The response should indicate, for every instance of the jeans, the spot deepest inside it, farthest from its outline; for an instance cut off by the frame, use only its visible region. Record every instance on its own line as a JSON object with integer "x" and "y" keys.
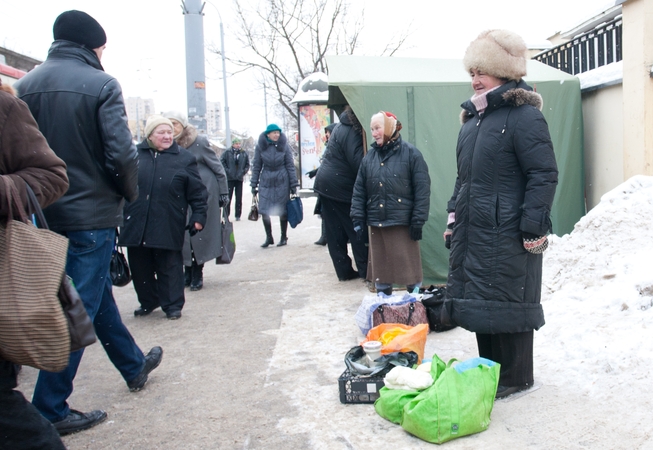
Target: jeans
{"x": 89, "y": 254}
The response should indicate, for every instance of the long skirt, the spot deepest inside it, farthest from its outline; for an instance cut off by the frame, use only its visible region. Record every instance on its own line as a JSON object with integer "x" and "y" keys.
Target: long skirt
{"x": 394, "y": 257}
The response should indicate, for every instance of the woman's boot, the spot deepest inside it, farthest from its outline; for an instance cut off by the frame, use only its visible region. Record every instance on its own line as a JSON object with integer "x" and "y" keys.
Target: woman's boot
{"x": 322, "y": 240}
{"x": 284, "y": 228}
{"x": 188, "y": 273}
{"x": 267, "y": 224}
{"x": 197, "y": 280}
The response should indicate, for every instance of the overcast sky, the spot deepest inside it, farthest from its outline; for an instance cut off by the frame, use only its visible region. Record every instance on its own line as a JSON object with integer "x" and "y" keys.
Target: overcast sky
{"x": 145, "y": 39}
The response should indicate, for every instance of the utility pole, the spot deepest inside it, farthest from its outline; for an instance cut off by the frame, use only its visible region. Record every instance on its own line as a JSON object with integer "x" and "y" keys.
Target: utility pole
{"x": 195, "y": 74}
{"x": 265, "y": 102}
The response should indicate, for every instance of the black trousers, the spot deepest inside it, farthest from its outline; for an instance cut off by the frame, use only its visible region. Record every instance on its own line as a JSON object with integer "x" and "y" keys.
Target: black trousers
{"x": 339, "y": 230}
{"x": 238, "y": 186}
{"x": 22, "y": 426}
{"x": 514, "y": 351}
{"x": 158, "y": 277}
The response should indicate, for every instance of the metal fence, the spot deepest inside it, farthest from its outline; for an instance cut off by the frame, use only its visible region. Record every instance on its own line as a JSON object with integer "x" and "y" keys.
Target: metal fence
{"x": 593, "y": 49}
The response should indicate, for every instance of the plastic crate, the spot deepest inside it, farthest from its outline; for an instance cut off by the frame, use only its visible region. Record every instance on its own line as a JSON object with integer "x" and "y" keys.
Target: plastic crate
{"x": 357, "y": 389}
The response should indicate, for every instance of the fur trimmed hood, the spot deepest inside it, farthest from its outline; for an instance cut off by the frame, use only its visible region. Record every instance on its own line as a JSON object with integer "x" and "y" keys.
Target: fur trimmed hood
{"x": 514, "y": 97}
{"x": 187, "y": 137}
{"x": 263, "y": 142}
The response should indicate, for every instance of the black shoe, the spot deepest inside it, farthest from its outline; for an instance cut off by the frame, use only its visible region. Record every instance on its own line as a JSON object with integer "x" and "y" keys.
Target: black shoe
{"x": 283, "y": 241}
{"x": 196, "y": 286}
{"x": 268, "y": 242}
{"x": 505, "y": 391}
{"x": 188, "y": 274}
{"x": 198, "y": 278}
{"x": 237, "y": 219}
{"x": 152, "y": 361}
{"x": 353, "y": 275}
{"x": 140, "y": 312}
{"x": 174, "y": 315}
{"x": 321, "y": 241}
{"x": 78, "y": 421}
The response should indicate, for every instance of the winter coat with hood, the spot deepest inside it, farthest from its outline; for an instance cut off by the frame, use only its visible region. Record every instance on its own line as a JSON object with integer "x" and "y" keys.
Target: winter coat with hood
{"x": 236, "y": 163}
{"x": 273, "y": 173}
{"x": 207, "y": 243}
{"x": 80, "y": 111}
{"x": 507, "y": 177}
{"x": 337, "y": 173}
{"x": 169, "y": 182}
{"x": 393, "y": 186}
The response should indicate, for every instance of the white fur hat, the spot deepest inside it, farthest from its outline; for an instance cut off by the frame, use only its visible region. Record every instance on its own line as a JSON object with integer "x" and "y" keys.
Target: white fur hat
{"x": 500, "y": 53}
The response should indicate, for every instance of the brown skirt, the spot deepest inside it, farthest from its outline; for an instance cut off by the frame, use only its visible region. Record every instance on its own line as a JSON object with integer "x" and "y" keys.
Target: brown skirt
{"x": 394, "y": 256}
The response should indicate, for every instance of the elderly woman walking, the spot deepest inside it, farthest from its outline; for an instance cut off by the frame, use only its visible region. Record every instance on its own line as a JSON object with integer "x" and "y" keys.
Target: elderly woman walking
{"x": 206, "y": 244}
{"x": 274, "y": 179}
{"x": 168, "y": 182}
{"x": 392, "y": 196}
{"x": 499, "y": 214}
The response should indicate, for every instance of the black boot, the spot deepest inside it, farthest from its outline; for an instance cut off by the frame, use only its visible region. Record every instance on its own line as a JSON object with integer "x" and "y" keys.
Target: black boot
{"x": 197, "y": 280}
{"x": 284, "y": 229}
{"x": 267, "y": 224}
{"x": 322, "y": 240}
{"x": 188, "y": 273}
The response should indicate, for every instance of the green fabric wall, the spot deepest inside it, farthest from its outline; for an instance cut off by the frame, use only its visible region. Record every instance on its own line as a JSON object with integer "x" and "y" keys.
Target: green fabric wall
{"x": 429, "y": 112}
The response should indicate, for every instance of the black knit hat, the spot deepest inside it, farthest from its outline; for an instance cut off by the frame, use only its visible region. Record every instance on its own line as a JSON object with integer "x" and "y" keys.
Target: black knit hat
{"x": 79, "y": 27}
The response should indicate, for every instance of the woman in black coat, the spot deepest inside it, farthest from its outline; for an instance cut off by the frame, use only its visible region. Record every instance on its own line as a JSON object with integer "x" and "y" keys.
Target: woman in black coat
{"x": 168, "y": 182}
{"x": 274, "y": 180}
{"x": 500, "y": 209}
{"x": 392, "y": 196}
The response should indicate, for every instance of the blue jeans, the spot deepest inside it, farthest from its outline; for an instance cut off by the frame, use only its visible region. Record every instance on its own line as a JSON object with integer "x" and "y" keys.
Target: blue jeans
{"x": 89, "y": 254}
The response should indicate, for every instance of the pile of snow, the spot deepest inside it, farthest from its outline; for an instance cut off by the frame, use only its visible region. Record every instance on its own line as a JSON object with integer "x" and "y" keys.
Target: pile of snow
{"x": 597, "y": 293}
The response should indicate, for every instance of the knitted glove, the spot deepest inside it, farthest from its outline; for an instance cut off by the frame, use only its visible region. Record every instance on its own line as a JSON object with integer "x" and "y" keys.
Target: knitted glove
{"x": 416, "y": 232}
{"x": 358, "y": 228}
{"x": 224, "y": 200}
{"x": 312, "y": 173}
{"x": 254, "y": 190}
{"x": 535, "y": 244}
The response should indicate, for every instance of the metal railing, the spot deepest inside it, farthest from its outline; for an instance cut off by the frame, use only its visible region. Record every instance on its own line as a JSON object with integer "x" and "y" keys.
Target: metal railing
{"x": 593, "y": 49}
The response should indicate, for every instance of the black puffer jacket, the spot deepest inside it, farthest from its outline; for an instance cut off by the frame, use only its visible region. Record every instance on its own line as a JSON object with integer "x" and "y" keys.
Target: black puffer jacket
{"x": 236, "y": 163}
{"x": 337, "y": 173}
{"x": 273, "y": 173}
{"x": 169, "y": 182}
{"x": 507, "y": 177}
{"x": 393, "y": 187}
{"x": 80, "y": 111}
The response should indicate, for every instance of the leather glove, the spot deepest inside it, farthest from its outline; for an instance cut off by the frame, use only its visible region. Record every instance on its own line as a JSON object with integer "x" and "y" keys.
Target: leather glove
{"x": 312, "y": 173}
{"x": 358, "y": 228}
{"x": 254, "y": 191}
{"x": 224, "y": 200}
{"x": 416, "y": 232}
{"x": 535, "y": 244}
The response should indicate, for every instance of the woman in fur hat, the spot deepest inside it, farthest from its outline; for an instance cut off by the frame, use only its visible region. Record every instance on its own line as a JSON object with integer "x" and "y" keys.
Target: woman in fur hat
{"x": 207, "y": 244}
{"x": 392, "y": 196}
{"x": 499, "y": 214}
{"x": 274, "y": 179}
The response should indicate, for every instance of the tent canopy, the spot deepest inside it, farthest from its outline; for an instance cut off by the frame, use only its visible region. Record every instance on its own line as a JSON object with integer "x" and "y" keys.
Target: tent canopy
{"x": 425, "y": 95}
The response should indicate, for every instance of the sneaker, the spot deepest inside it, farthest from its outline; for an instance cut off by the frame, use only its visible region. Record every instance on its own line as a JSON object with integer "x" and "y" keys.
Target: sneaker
{"x": 78, "y": 421}
{"x": 152, "y": 361}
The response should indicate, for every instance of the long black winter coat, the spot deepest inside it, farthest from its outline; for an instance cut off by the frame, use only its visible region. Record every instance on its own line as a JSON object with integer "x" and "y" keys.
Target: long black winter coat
{"x": 80, "y": 111}
{"x": 507, "y": 177}
{"x": 168, "y": 183}
{"x": 393, "y": 186}
{"x": 236, "y": 164}
{"x": 337, "y": 174}
{"x": 273, "y": 172}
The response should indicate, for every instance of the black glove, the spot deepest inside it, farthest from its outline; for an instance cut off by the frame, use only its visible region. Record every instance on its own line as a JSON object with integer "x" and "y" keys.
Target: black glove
{"x": 416, "y": 232}
{"x": 293, "y": 190}
{"x": 254, "y": 191}
{"x": 447, "y": 241}
{"x": 191, "y": 229}
{"x": 535, "y": 244}
{"x": 224, "y": 200}
{"x": 358, "y": 228}
{"x": 312, "y": 173}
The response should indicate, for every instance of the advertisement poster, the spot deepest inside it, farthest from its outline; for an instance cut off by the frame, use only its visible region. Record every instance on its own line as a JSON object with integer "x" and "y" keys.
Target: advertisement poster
{"x": 312, "y": 120}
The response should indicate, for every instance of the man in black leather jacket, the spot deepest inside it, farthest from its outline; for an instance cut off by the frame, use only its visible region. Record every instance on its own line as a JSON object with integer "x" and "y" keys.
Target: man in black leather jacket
{"x": 80, "y": 110}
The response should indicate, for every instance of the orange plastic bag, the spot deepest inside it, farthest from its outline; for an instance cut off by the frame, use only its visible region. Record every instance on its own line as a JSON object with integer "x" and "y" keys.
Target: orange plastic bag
{"x": 397, "y": 337}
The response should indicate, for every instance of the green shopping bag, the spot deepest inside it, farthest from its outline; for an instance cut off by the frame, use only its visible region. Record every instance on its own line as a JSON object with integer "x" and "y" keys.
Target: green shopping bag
{"x": 391, "y": 402}
{"x": 459, "y": 403}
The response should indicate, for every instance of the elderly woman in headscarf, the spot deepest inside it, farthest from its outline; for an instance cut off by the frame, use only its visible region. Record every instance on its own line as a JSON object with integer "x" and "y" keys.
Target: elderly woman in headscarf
{"x": 392, "y": 196}
{"x": 274, "y": 179}
{"x": 499, "y": 214}
{"x": 155, "y": 224}
{"x": 206, "y": 244}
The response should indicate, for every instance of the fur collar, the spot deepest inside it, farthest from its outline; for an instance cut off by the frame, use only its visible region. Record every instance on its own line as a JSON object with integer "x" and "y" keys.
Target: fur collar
{"x": 187, "y": 137}
{"x": 263, "y": 142}
{"x": 514, "y": 97}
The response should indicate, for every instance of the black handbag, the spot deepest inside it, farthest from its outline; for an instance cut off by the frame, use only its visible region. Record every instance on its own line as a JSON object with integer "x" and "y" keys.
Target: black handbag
{"x": 253, "y": 212}
{"x": 434, "y": 301}
{"x": 80, "y": 327}
{"x": 118, "y": 268}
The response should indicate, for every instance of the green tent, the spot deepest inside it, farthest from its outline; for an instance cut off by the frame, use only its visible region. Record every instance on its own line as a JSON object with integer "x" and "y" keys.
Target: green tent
{"x": 426, "y": 94}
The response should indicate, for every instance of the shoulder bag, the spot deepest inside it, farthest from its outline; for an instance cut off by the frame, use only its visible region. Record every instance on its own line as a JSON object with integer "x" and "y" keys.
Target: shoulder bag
{"x": 228, "y": 240}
